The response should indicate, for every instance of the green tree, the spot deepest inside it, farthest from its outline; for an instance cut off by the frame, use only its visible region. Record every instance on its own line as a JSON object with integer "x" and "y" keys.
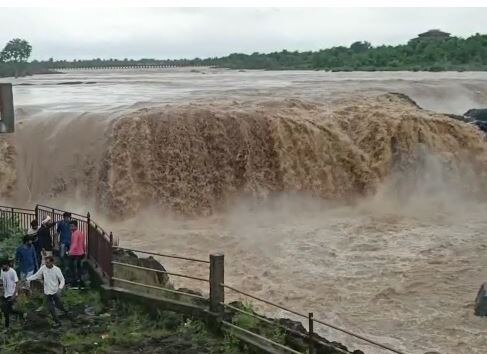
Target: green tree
{"x": 17, "y": 50}
{"x": 360, "y": 47}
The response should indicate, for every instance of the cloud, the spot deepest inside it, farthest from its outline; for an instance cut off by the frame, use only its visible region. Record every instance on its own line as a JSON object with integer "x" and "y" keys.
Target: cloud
{"x": 67, "y": 33}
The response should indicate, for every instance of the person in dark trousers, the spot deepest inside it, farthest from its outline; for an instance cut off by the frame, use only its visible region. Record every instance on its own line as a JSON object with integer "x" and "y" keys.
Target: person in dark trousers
{"x": 25, "y": 257}
{"x": 45, "y": 238}
{"x": 10, "y": 281}
{"x": 64, "y": 237}
{"x": 53, "y": 284}
{"x": 77, "y": 252}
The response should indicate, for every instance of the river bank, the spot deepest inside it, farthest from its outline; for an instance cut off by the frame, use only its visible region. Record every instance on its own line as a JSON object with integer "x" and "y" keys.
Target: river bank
{"x": 99, "y": 328}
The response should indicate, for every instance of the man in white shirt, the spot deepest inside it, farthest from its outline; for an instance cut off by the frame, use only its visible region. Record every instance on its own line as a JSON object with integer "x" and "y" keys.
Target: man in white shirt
{"x": 53, "y": 284}
{"x": 34, "y": 227}
{"x": 10, "y": 281}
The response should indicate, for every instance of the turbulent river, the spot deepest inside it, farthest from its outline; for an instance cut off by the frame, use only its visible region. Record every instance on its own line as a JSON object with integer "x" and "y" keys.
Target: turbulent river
{"x": 325, "y": 192}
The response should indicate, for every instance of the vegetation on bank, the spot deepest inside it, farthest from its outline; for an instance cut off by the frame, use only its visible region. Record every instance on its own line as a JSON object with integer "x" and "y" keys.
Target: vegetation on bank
{"x": 430, "y": 51}
{"x": 98, "y": 328}
{"x": 10, "y": 236}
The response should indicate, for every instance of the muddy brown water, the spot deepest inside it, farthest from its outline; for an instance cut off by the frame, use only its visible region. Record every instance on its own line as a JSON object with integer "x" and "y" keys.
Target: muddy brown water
{"x": 404, "y": 272}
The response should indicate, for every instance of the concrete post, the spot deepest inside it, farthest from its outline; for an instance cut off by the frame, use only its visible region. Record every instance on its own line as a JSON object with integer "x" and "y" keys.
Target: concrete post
{"x": 217, "y": 278}
{"x": 7, "y": 116}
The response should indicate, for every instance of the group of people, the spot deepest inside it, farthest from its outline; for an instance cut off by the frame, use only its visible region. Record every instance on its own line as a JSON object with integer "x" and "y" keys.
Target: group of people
{"x": 35, "y": 261}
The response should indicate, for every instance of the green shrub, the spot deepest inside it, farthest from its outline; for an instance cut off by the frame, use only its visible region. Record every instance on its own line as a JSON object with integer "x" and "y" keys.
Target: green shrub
{"x": 10, "y": 236}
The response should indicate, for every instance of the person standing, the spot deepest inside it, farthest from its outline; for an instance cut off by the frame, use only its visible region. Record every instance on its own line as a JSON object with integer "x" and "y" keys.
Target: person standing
{"x": 53, "y": 284}
{"x": 77, "y": 251}
{"x": 34, "y": 227}
{"x": 64, "y": 238}
{"x": 45, "y": 238}
{"x": 26, "y": 259}
{"x": 10, "y": 281}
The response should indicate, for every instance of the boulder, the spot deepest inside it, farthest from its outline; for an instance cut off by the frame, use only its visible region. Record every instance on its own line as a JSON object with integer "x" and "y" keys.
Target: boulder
{"x": 482, "y": 125}
{"x": 139, "y": 275}
{"x": 481, "y": 301}
{"x": 477, "y": 114}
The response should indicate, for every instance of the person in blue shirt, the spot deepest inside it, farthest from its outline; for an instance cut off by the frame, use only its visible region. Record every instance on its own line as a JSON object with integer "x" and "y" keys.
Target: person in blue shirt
{"x": 64, "y": 238}
{"x": 26, "y": 258}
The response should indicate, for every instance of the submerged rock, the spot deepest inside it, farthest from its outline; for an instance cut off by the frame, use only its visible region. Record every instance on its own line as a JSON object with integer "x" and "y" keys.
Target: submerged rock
{"x": 481, "y": 301}
{"x": 478, "y": 117}
{"x": 477, "y": 114}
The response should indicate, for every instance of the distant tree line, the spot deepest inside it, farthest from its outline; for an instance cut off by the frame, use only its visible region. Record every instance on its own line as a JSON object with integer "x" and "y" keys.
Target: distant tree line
{"x": 430, "y": 51}
{"x": 422, "y": 53}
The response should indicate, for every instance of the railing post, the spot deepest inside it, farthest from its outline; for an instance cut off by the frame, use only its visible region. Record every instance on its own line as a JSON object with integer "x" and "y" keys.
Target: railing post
{"x": 311, "y": 330}
{"x": 110, "y": 255}
{"x": 36, "y": 212}
{"x": 217, "y": 278}
{"x": 88, "y": 217}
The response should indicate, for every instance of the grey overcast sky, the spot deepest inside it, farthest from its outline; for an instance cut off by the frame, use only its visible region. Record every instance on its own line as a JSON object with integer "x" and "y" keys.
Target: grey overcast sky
{"x": 80, "y": 33}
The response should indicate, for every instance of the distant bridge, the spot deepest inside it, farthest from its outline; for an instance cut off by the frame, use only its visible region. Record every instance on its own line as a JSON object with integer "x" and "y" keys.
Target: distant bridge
{"x": 128, "y": 67}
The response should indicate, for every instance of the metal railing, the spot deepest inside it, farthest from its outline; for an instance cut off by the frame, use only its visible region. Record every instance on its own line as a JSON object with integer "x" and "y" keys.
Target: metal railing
{"x": 101, "y": 251}
{"x": 310, "y": 319}
{"x": 217, "y": 303}
{"x": 99, "y": 244}
{"x": 56, "y": 215}
{"x": 100, "y": 248}
{"x": 15, "y": 217}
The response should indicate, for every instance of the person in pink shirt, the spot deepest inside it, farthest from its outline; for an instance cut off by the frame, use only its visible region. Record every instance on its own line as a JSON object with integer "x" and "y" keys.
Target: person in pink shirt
{"x": 77, "y": 251}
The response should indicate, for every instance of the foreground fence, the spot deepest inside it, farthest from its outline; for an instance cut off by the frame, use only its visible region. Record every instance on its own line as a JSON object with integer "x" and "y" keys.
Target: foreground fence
{"x": 99, "y": 244}
{"x": 147, "y": 277}
{"x": 218, "y": 306}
